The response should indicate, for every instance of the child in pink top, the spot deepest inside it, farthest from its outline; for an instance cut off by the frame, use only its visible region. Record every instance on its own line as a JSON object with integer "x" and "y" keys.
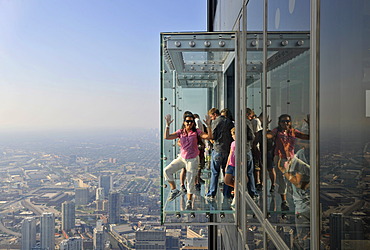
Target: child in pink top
{"x": 230, "y": 170}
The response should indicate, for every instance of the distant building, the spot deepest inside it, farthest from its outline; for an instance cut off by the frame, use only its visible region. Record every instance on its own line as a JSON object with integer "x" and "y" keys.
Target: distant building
{"x": 132, "y": 199}
{"x": 68, "y": 215}
{"x": 112, "y": 160}
{"x": 99, "y": 223}
{"x": 81, "y": 196}
{"x": 99, "y": 240}
{"x": 105, "y": 205}
{"x": 114, "y": 206}
{"x": 47, "y": 235}
{"x": 71, "y": 244}
{"x": 28, "y": 233}
{"x": 172, "y": 243}
{"x": 99, "y": 194}
{"x": 150, "y": 239}
{"x": 99, "y": 205}
{"x": 336, "y": 224}
{"x": 106, "y": 182}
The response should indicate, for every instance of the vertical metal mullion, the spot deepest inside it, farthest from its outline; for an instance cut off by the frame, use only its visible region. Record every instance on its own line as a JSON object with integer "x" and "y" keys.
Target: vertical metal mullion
{"x": 237, "y": 127}
{"x": 243, "y": 128}
{"x": 264, "y": 108}
{"x": 161, "y": 128}
{"x": 174, "y": 111}
{"x": 314, "y": 124}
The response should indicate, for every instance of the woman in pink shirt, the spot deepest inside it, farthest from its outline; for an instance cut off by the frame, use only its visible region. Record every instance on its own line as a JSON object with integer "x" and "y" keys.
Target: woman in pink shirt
{"x": 189, "y": 154}
{"x": 285, "y": 137}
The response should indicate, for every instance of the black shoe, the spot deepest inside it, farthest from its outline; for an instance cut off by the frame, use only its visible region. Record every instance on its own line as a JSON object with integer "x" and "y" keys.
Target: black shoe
{"x": 201, "y": 181}
{"x": 174, "y": 194}
{"x": 284, "y": 206}
{"x": 259, "y": 187}
{"x": 183, "y": 189}
{"x": 272, "y": 189}
{"x": 197, "y": 187}
{"x": 189, "y": 205}
{"x": 255, "y": 198}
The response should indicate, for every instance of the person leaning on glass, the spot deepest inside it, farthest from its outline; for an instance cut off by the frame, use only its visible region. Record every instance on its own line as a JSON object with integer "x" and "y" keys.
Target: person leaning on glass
{"x": 189, "y": 154}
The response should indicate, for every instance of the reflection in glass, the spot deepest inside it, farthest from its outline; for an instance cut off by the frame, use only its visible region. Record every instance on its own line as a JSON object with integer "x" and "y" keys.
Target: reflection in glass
{"x": 287, "y": 93}
{"x": 344, "y": 126}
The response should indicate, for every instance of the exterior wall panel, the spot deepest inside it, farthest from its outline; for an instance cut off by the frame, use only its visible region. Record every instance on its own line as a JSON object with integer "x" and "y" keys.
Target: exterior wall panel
{"x": 227, "y": 13}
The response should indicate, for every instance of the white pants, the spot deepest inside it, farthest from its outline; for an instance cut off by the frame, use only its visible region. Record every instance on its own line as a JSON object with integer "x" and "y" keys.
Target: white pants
{"x": 191, "y": 166}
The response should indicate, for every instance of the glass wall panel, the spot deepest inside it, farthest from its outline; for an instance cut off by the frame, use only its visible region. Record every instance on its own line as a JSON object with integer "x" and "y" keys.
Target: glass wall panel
{"x": 255, "y": 15}
{"x": 288, "y": 15}
{"x": 196, "y": 76}
{"x": 255, "y": 233}
{"x": 282, "y": 172}
{"x": 288, "y": 109}
{"x": 345, "y": 124}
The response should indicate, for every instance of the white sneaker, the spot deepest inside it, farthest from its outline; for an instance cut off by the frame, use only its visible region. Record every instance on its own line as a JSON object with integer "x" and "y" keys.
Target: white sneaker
{"x": 210, "y": 198}
{"x": 233, "y": 203}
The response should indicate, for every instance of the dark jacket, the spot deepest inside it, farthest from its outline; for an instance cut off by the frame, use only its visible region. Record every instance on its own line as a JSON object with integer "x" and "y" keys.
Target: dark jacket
{"x": 221, "y": 127}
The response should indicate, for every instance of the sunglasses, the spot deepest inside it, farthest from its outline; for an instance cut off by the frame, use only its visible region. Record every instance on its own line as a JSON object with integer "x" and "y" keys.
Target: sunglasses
{"x": 285, "y": 121}
{"x": 189, "y": 121}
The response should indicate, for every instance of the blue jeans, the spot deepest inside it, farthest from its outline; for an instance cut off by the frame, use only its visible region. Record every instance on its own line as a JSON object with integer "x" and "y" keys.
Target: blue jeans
{"x": 218, "y": 160}
{"x": 251, "y": 185}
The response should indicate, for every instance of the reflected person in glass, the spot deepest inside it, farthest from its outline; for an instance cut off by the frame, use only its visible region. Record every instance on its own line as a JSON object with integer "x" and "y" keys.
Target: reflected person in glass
{"x": 285, "y": 137}
{"x": 257, "y": 150}
{"x": 189, "y": 154}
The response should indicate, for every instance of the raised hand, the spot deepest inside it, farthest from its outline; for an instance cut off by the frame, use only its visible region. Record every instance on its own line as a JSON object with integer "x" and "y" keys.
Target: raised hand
{"x": 207, "y": 121}
{"x": 168, "y": 119}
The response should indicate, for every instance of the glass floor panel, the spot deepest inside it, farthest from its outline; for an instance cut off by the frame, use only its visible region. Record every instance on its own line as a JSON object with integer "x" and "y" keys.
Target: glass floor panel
{"x": 276, "y": 216}
{"x": 203, "y": 211}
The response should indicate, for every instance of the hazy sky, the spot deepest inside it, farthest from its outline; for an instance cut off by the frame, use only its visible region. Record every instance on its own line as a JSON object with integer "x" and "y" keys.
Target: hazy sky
{"x": 82, "y": 64}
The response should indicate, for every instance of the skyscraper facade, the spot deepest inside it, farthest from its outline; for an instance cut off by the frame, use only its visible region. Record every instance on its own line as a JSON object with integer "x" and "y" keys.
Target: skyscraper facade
{"x": 99, "y": 239}
{"x": 106, "y": 182}
{"x": 81, "y": 196}
{"x": 99, "y": 194}
{"x": 28, "y": 233}
{"x": 68, "y": 215}
{"x": 303, "y": 68}
{"x": 114, "y": 206}
{"x": 47, "y": 234}
{"x": 150, "y": 239}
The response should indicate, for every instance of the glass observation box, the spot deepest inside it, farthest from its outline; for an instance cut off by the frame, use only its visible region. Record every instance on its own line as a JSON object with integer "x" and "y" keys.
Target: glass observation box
{"x": 200, "y": 71}
{"x": 193, "y": 70}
